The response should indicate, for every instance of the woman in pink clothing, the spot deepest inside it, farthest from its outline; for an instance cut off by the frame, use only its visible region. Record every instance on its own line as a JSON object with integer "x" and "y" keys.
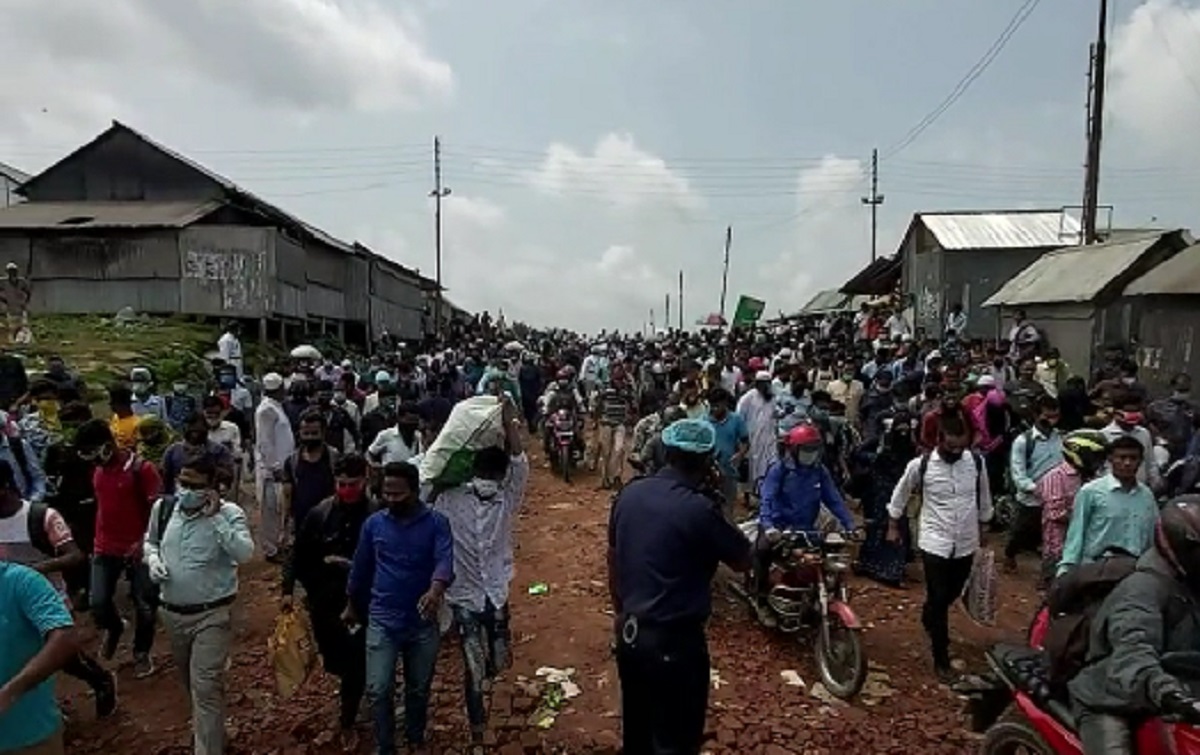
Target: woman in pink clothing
{"x": 1084, "y": 454}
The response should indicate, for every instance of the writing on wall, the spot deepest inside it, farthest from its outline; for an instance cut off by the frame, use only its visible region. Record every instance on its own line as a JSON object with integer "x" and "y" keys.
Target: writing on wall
{"x": 235, "y": 276}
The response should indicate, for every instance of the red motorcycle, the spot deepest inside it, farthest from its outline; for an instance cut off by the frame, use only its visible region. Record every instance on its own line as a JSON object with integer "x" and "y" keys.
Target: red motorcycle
{"x": 807, "y": 594}
{"x": 562, "y": 428}
{"x": 1021, "y": 714}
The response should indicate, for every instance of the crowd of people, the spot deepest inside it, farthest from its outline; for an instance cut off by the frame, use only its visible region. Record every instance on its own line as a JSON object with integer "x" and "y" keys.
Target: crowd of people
{"x": 916, "y": 442}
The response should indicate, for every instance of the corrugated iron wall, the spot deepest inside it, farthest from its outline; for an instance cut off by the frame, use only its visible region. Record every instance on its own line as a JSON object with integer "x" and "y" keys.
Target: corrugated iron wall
{"x": 226, "y": 270}
{"x": 1167, "y": 327}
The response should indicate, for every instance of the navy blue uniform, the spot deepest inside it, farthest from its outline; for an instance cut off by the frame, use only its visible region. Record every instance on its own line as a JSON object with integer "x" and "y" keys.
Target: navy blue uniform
{"x": 666, "y": 539}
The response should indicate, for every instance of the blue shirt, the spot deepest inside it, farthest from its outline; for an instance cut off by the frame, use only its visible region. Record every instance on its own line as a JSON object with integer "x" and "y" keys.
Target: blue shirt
{"x": 792, "y": 495}
{"x": 731, "y": 432}
{"x": 33, "y": 485}
{"x": 667, "y": 539}
{"x": 29, "y": 610}
{"x": 396, "y": 562}
{"x": 1108, "y": 516}
{"x": 151, "y": 406}
{"x": 1046, "y": 454}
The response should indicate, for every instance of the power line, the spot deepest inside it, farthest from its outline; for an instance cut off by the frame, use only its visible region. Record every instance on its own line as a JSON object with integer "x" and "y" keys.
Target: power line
{"x": 967, "y": 80}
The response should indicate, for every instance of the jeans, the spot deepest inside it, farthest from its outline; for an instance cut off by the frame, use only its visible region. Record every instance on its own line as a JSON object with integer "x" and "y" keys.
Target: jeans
{"x": 945, "y": 579}
{"x": 417, "y": 649}
{"x": 1103, "y": 733}
{"x": 200, "y": 645}
{"x": 664, "y": 690}
{"x": 106, "y": 572}
{"x": 486, "y": 644}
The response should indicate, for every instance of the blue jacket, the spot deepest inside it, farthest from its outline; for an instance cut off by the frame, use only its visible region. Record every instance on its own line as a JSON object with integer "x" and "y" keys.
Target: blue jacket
{"x": 33, "y": 485}
{"x": 792, "y": 496}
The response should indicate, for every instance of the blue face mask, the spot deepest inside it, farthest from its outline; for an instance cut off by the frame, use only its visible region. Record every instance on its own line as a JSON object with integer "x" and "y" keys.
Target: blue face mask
{"x": 189, "y": 500}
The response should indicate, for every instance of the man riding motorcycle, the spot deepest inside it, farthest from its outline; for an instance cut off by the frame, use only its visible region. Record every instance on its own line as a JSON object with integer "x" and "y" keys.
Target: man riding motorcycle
{"x": 792, "y": 494}
{"x": 563, "y": 393}
{"x": 1153, "y": 611}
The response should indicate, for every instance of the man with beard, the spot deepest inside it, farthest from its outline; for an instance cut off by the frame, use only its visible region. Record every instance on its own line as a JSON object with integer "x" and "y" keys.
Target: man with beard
{"x": 320, "y": 562}
{"x": 481, "y": 515}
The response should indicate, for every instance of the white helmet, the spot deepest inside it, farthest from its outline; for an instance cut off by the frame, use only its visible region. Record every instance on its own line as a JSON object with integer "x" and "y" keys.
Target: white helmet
{"x": 305, "y": 351}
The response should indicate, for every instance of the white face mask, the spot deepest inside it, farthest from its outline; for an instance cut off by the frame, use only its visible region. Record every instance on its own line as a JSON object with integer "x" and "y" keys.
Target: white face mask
{"x": 485, "y": 489}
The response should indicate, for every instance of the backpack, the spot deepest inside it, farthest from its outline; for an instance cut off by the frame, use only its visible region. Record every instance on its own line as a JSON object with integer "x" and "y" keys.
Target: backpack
{"x": 166, "y": 507}
{"x": 1073, "y": 601}
{"x": 924, "y": 467}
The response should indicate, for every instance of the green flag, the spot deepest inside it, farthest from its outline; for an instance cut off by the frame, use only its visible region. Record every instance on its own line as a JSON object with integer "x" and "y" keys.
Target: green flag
{"x": 748, "y": 311}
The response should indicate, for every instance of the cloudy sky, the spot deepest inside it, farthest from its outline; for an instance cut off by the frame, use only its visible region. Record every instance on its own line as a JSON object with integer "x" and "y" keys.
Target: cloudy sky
{"x": 595, "y": 148}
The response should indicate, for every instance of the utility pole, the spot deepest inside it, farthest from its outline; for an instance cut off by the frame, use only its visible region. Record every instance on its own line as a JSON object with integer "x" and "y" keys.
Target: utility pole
{"x": 1091, "y": 181}
{"x": 667, "y": 317}
{"x": 725, "y": 275}
{"x": 652, "y": 330}
{"x": 438, "y": 193}
{"x": 873, "y": 201}
{"x": 680, "y": 301}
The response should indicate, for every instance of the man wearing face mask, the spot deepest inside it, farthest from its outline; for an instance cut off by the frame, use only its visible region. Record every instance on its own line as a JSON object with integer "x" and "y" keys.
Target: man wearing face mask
{"x": 145, "y": 401}
{"x": 757, "y": 410}
{"x": 847, "y": 390}
{"x": 955, "y": 498}
{"x": 401, "y": 570}
{"x": 196, "y": 443}
{"x": 1128, "y": 421}
{"x": 1034, "y": 453}
{"x": 194, "y": 544}
{"x": 41, "y": 427}
{"x": 126, "y": 487}
{"x": 320, "y": 562}
{"x": 338, "y": 425}
{"x": 308, "y": 476}
{"x": 1176, "y": 415}
{"x": 793, "y": 493}
{"x": 180, "y": 405}
{"x": 399, "y": 442}
{"x": 380, "y": 413}
{"x": 481, "y": 515}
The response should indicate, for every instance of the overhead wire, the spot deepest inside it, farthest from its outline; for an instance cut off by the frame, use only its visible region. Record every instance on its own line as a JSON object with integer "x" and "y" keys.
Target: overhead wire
{"x": 977, "y": 70}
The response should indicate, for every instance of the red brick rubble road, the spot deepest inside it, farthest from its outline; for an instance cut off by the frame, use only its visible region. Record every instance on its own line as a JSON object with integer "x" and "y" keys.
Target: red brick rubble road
{"x": 561, "y": 538}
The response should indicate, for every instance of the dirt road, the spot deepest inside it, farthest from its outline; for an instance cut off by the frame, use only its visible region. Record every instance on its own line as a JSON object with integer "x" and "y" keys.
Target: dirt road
{"x": 561, "y": 538}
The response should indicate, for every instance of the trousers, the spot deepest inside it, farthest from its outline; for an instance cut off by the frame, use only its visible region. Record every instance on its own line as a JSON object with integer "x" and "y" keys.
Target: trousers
{"x": 1103, "y": 733}
{"x": 106, "y": 573}
{"x": 1025, "y": 534}
{"x": 664, "y": 689}
{"x": 200, "y": 646}
{"x": 486, "y": 644}
{"x": 610, "y": 448}
{"x": 417, "y": 650}
{"x": 945, "y": 579}
{"x": 270, "y": 511}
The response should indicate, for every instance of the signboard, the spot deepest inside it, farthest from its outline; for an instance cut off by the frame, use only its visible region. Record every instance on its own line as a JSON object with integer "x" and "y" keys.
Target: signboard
{"x": 748, "y": 311}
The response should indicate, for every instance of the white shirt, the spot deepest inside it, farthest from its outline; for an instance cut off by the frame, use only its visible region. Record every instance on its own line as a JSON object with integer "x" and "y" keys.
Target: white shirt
{"x": 948, "y": 523}
{"x": 897, "y": 326}
{"x": 274, "y": 441}
{"x": 731, "y": 379}
{"x": 392, "y": 447}
{"x": 956, "y": 321}
{"x": 483, "y": 543}
{"x": 228, "y": 435}
{"x": 229, "y": 348}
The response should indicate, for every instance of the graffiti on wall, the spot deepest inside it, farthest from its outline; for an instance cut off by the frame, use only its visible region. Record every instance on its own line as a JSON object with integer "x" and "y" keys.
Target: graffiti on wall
{"x": 236, "y": 276}
{"x": 929, "y": 305}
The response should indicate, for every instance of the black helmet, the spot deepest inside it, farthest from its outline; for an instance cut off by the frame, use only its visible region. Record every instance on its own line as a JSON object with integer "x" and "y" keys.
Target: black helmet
{"x": 1177, "y": 537}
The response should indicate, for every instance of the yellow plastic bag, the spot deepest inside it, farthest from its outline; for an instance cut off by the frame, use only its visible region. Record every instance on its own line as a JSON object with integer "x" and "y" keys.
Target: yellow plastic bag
{"x": 292, "y": 653}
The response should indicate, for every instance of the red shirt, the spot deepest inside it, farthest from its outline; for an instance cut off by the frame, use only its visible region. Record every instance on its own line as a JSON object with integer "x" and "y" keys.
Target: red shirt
{"x": 123, "y": 504}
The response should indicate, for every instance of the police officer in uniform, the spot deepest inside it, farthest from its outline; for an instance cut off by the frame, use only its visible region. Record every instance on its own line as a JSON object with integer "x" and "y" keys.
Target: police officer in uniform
{"x": 666, "y": 536}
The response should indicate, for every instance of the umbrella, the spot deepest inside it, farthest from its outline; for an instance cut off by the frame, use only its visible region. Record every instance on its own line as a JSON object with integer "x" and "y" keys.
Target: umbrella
{"x": 514, "y": 346}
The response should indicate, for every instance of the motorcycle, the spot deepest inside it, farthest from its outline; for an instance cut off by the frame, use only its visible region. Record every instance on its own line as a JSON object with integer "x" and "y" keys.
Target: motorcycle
{"x": 564, "y": 453}
{"x": 807, "y": 593}
{"x": 1019, "y": 712}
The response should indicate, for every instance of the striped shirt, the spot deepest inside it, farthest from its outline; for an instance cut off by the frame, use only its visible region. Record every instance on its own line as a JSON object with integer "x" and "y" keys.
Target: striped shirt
{"x": 1056, "y": 490}
{"x": 616, "y": 405}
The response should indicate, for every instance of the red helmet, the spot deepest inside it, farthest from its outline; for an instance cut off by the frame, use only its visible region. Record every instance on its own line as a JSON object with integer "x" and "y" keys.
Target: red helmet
{"x": 801, "y": 436}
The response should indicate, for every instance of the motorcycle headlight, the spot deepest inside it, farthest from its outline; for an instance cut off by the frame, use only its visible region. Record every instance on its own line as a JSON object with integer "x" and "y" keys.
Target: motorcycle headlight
{"x": 837, "y": 563}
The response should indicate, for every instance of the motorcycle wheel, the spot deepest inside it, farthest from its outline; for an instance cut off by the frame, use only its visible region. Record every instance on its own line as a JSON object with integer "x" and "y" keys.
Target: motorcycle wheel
{"x": 841, "y": 662}
{"x": 1012, "y": 735}
{"x": 564, "y": 463}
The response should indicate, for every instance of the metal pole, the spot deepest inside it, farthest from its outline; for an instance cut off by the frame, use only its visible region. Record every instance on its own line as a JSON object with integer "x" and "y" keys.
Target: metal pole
{"x": 667, "y": 318}
{"x": 725, "y": 275}
{"x": 873, "y": 201}
{"x": 1091, "y": 187}
{"x": 438, "y": 193}
{"x": 681, "y": 301}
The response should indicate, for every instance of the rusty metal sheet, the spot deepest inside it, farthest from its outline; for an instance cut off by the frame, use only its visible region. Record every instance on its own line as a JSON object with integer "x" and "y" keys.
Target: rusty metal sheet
{"x": 1002, "y": 230}
{"x": 76, "y": 216}
{"x": 1179, "y": 275}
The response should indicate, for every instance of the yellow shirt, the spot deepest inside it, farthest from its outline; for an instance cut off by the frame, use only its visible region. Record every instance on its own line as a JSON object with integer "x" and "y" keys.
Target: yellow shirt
{"x": 125, "y": 431}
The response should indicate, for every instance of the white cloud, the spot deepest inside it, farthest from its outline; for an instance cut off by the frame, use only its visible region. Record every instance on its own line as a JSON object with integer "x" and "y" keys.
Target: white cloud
{"x": 76, "y": 60}
{"x": 1154, "y": 84}
{"x": 476, "y": 212}
{"x": 618, "y": 172}
{"x": 828, "y": 244}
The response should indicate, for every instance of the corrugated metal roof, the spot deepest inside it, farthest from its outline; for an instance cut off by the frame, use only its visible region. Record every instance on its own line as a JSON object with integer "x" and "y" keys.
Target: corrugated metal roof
{"x": 1002, "y": 230}
{"x": 12, "y": 174}
{"x": 878, "y": 278}
{"x": 824, "y": 301}
{"x": 1073, "y": 274}
{"x": 78, "y": 215}
{"x": 1178, "y": 275}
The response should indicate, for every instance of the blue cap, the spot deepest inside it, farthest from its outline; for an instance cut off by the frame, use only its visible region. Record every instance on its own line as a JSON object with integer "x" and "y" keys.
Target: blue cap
{"x": 695, "y": 436}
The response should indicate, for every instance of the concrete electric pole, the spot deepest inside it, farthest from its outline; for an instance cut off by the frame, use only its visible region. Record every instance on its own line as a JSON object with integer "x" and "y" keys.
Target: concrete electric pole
{"x": 438, "y": 193}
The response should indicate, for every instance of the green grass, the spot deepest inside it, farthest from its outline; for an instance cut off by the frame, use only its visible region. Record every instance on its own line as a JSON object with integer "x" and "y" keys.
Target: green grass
{"x": 101, "y": 350}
